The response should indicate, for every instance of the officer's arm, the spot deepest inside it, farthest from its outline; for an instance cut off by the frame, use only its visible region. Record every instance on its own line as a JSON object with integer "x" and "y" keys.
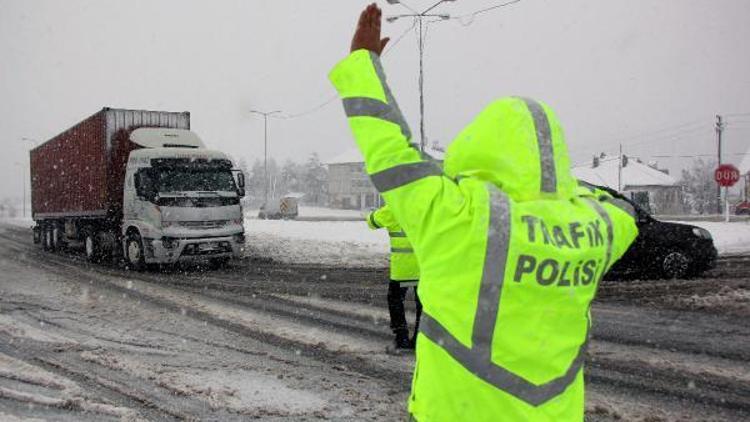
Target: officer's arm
{"x": 408, "y": 182}
{"x": 624, "y": 228}
{"x": 414, "y": 188}
{"x": 621, "y": 214}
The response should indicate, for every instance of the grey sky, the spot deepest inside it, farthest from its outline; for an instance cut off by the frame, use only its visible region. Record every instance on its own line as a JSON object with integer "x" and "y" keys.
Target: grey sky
{"x": 615, "y": 70}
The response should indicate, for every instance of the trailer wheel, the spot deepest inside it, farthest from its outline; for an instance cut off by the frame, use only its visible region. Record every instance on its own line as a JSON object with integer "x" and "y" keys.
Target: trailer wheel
{"x": 38, "y": 235}
{"x": 134, "y": 252}
{"x": 57, "y": 241}
{"x": 48, "y": 244}
{"x": 91, "y": 247}
{"x": 43, "y": 238}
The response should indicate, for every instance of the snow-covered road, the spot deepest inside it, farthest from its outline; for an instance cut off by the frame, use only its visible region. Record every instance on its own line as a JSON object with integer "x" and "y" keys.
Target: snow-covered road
{"x": 85, "y": 343}
{"x": 269, "y": 340}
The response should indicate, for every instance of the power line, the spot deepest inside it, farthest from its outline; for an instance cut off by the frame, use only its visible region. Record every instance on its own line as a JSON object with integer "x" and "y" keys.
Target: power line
{"x": 391, "y": 46}
{"x": 670, "y": 128}
{"x": 334, "y": 97}
{"x": 400, "y": 37}
{"x": 695, "y": 155}
{"x": 687, "y": 128}
{"x": 473, "y": 15}
{"x": 678, "y": 136}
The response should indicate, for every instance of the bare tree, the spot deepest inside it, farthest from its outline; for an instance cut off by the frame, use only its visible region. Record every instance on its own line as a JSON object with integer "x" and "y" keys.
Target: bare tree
{"x": 700, "y": 187}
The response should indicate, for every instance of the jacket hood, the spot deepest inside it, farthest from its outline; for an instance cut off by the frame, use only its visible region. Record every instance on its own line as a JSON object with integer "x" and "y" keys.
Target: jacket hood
{"x": 518, "y": 145}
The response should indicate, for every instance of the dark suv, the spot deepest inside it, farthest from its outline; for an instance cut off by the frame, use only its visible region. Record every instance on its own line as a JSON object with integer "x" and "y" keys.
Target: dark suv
{"x": 664, "y": 250}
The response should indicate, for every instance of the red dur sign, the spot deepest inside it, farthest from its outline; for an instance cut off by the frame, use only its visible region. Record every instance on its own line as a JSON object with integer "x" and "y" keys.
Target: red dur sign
{"x": 726, "y": 175}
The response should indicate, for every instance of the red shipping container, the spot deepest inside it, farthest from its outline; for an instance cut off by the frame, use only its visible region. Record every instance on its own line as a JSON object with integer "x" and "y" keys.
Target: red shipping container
{"x": 80, "y": 172}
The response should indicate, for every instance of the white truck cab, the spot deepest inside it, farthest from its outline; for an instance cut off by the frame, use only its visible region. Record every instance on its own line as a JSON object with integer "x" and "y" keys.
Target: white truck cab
{"x": 180, "y": 201}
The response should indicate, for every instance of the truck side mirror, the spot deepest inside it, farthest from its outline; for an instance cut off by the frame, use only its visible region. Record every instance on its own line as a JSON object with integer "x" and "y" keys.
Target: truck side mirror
{"x": 240, "y": 183}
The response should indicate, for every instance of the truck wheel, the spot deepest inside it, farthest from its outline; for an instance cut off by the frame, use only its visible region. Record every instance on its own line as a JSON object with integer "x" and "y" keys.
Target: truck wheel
{"x": 57, "y": 240}
{"x": 43, "y": 238}
{"x": 91, "y": 247}
{"x": 675, "y": 265}
{"x": 134, "y": 252}
{"x": 48, "y": 244}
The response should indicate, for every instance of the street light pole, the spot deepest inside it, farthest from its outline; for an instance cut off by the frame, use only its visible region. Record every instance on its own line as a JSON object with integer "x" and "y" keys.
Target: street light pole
{"x": 421, "y": 87}
{"x": 33, "y": 142}
{"x": 265, "y": 149}
{"x": 419, "y": 16}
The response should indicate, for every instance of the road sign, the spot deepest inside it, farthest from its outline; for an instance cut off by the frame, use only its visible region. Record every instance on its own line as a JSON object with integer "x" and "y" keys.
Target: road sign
{"x": 726, "y": 175}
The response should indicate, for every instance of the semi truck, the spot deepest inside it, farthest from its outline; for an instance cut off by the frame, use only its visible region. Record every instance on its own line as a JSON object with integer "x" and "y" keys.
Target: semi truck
{"x": 139, "y": 186}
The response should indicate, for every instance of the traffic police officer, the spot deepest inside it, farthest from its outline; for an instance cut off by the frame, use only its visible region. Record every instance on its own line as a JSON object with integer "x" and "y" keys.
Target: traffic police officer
{"x": 404, "y": 274}
{"x": 511, "y": 250}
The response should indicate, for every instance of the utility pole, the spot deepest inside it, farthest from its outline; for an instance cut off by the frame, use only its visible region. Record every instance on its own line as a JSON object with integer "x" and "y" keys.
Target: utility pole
{"x": 420, "y": 16}
{"x": 619, "y": 172}
{"x": 719, "y": 130}
{"x": 266, "y": 180}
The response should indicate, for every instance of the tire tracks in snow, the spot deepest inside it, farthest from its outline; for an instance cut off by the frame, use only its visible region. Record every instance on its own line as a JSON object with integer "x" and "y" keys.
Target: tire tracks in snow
{"x": 636, "y": 377}
{"x": 103, "y": 277}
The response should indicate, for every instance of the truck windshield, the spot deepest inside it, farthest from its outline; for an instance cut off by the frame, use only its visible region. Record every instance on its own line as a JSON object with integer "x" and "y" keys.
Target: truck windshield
{"x": 185, "y": 179}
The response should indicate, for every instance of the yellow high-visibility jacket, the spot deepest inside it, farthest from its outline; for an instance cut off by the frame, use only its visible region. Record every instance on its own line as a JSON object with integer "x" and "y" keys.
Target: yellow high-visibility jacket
{"x": 510, "y": 249}
{"x": 404, "y": 266}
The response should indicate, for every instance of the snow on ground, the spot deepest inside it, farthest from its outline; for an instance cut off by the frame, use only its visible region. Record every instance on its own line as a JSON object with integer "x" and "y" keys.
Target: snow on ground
{"x": 352, "y": 243}
{"x": 318, "y": 213}
{"x": 24, "y": 222}
{"x": 306, "y": 211}
{"x": 729, "y": 238}
{"x": 341, "y": 243}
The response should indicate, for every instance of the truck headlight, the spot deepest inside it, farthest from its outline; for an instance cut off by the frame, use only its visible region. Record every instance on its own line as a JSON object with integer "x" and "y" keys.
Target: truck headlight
{"x": 702, "y": 233}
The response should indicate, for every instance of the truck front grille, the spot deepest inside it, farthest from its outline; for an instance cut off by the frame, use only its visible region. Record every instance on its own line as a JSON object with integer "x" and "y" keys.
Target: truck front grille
{"x": 203, "y": 225}
{"x": 207, "y": 248}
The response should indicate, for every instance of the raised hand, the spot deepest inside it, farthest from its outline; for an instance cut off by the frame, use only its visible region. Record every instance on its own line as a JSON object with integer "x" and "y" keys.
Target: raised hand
{"x": 367, "y": 35}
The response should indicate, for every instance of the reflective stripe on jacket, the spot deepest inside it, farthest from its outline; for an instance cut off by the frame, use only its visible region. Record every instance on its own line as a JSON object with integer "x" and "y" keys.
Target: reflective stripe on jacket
{"x": 404, "y": 266}
{"x": 510, "y": 251}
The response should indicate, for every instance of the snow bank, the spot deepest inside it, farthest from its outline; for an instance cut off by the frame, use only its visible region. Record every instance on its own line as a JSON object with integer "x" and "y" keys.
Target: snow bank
{"x": 729, "y": 238}
{"x": 346, "y": 243}
{"x": 25, "y": 222}
{"x": 305, "y": 211}
{"x": 352, "y": 243}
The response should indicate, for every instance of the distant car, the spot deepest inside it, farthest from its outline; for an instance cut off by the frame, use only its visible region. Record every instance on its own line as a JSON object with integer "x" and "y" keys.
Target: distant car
{"x": 743, "y": 208}
{"x": 664, "y": 250}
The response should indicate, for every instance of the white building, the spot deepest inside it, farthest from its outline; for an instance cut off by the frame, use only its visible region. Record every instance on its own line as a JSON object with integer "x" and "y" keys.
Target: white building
{"x": 349, "y": 186}
{"x": 652, "y": 188}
